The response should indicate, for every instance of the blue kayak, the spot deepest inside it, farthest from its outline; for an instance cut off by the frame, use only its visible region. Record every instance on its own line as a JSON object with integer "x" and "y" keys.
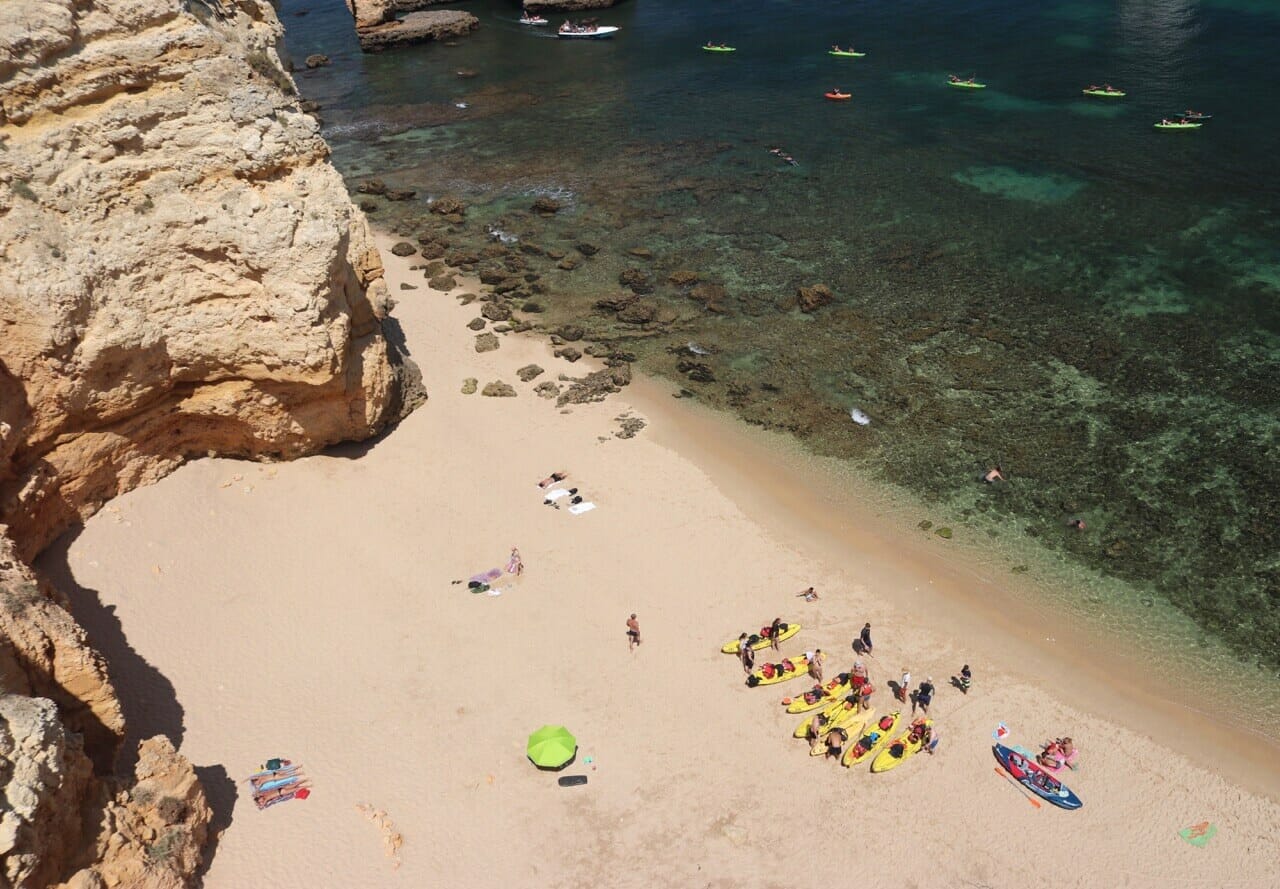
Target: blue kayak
{"x": 1028, "y": 773}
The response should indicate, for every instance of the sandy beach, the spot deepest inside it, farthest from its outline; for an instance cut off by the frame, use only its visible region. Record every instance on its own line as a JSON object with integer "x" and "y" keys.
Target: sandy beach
{"x": 308, "y": 610}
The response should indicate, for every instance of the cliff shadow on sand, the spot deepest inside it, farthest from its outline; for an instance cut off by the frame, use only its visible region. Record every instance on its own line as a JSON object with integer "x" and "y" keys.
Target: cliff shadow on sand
{"x": 147, "y": 697}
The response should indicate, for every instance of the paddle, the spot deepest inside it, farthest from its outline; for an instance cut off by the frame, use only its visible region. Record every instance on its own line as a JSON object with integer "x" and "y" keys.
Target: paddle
{"x": 1030, "y": 798}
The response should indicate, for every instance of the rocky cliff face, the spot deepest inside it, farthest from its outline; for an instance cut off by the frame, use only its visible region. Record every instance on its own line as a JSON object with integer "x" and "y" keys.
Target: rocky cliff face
{"x": 181, "y": 274}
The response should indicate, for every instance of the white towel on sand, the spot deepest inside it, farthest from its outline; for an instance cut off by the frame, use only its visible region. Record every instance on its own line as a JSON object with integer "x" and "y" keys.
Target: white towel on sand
{"x": 580, "y": 508}
{"x": 552, "y": 496}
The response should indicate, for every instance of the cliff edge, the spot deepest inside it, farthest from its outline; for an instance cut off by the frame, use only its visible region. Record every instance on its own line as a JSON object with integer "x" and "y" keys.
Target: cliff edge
{"x": 181, "y": 274}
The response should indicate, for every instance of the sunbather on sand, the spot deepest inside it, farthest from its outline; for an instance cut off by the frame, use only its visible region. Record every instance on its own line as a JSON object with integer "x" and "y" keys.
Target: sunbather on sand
{"x": 278, "y": 794}
{"x": 809, "y": 594}
{"x": 553, "y": 478}
{"x": 267, "y": 782}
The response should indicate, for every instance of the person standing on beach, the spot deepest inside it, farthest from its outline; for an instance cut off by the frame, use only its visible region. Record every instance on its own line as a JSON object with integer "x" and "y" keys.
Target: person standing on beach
{"x": 746, "y": 654}
{"x": 633, "y": 632}
{"x": 866, "y": 638}
{"x": 904, "y": 686}
{"x": 515, "y": 565}
{"x": 864, "y": 696}
{"x": 966, "y": 678}
{"x": 924, "y": 696}
{"x": 815, "y": 666}
{"x": 775, "y": 630}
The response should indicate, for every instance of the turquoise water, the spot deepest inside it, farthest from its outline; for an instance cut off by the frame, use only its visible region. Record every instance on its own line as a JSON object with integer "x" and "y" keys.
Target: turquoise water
{"x": 1021, "y": 274}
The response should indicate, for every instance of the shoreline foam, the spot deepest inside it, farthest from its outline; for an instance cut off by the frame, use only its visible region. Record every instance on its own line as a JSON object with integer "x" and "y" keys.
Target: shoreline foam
{"x": 306, "y": 610}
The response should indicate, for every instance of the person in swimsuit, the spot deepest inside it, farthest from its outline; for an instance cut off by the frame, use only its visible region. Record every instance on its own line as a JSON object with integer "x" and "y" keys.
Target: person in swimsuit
{"x": 553, "y": 478}
{"x": 1078, "y": 524}
{"x": 836, "y": 739}
{"x": 904, "y": 685}
{"x": 815, "y": 666}
{"x": 775, "y": 630}
{"x": 993, "y": 475}
{"x": 633, "y": 632}
{"x": 746, "y": 654}
{"x": 966, "y": 678}
{"x": 924, "y": 696}
{"x": 515, "y": 565}
{"x": 809, "y": 594}
{"x": 865, "y": 636}
{"x": 817, "y": 727}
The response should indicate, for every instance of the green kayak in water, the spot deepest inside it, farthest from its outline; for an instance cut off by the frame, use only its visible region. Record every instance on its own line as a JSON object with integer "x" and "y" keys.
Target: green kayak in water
{"x": 844, "y": 54}
{"x": 719, "y": 49}
{"x": 1106, "y": 94}
{"x": 967, "y": 84}
{"x": 1178, "y": 125}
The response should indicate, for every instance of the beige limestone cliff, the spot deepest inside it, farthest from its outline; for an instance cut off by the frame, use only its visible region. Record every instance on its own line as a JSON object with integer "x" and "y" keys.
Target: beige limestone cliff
{"x": 181, "y": 274}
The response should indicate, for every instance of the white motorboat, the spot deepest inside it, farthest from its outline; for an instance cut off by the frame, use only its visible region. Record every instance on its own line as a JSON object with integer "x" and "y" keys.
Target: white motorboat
{"x": 591, "y": 32}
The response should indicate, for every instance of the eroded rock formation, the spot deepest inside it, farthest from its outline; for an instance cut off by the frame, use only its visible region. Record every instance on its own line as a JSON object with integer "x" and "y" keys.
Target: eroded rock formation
{"x": 378, "y": 28}
{"x": 181, "y": 274}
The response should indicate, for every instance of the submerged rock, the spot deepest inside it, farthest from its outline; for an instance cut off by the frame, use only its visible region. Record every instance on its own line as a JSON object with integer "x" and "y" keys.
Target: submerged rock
{"x": 317, "y": 60}
{"x": 545, "y": 206}
{"x": 448, "y": 205}
{"x": 683, "y": 278}
{"x": 636, "y": 279}
{"x": 813, "y": 298}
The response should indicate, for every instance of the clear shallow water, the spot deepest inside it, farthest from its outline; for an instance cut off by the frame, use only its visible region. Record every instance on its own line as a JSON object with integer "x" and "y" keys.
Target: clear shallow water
{"x": 1021, "y": 274}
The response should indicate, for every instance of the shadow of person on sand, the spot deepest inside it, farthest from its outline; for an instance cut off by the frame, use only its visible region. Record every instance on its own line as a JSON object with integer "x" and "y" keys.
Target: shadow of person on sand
{"x": 147, "y": 698}
{"x": 898, "y": 694}
{"x": 220, "y": 790}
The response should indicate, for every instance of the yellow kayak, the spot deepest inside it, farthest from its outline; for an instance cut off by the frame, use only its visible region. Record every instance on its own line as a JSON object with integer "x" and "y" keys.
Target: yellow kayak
{"x": 819, "y": 695}
{"x": 799, "y": 667}
{"x": 850, "y": 722}
{"x": 908, "y": 748}
{"x": 758, "y": 642}
{"x": 872, "y": 740}
{"x": 839, "y": 711}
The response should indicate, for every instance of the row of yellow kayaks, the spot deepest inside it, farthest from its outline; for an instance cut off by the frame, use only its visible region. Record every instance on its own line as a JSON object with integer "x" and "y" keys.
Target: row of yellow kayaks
{"x": 868, "y": 737}
{"x": 820, "y": 695}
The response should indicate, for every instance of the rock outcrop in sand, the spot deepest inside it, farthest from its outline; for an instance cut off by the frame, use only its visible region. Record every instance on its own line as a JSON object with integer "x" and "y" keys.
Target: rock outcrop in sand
{"x": 181, "y": 274}
{"x": 378, "y": 28}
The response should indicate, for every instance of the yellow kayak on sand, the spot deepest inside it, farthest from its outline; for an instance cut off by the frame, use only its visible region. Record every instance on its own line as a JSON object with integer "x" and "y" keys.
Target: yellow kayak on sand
{"x": 840, "y": 712}
{"x": 757, "y": 641}
{"x": 872, "y": 740}
{"x": 886, "y": 760}
{"x": 799, "y": 667}
{"x": 820, "y": 695}
{"x": 850, "y": 722}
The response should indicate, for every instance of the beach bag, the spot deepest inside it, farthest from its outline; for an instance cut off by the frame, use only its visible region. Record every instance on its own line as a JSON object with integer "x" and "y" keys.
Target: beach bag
{"x": 753, "y": 680}
{"x": 753, "y": 639}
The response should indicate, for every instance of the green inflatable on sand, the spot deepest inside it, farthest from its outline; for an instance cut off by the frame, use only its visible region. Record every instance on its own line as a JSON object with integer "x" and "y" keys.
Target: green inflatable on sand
{"x": 1199, "y": 834}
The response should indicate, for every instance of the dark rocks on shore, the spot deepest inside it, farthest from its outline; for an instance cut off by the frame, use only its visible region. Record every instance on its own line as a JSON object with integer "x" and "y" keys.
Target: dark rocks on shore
{"x": 507, "y": 285}
{"x": 432, "y": 250}
{"x": 372, "y": 186}
{"x": 530, "y": 248}
{"x": 696, "y": 371}
{"x": 476, "y": 323}
{"x": 403, "y": 248}
{"x": 595, "y": 386}
{"x": 616, "y": 302}
{"x": 532, "y": 307}
{"x": 587, "y": 249}
{"x": 466, "y": 299}
{"x": 368, "y": 207}
{"x": 546, "y": 389}
{"x": 433, "y": 268}
{"x": 400, "y": 194}
{"x": 405, "y": 285}
{"x": 545, "y": 206}
{"x": 529, "y": 372}
{"x": 486, "y": 342}
{"x": 469, "y": 386}
{"x": 570, "y": 333}
{"x": 630, "y": 426}
{"x": 448, "y": 205}
{"x": 637, "y": 280}
{"x": 442, "y": 282}
{"x": 813, "y": 298}
{"x": 568, "y": 353}
{"x": 638, "y": 312}
{"x": 317, "y": 60}
{"x": 493, "y": 276}
{"x": 496, "y": 311}
{"x": 498, "y": 389}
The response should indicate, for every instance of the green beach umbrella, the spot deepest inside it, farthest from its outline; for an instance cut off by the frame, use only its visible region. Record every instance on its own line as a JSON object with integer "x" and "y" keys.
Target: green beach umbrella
{"x": 552, "y": 747}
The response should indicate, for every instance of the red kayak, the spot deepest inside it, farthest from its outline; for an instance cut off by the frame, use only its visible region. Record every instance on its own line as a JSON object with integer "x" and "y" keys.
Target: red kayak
{"x": 839, "y": 97}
